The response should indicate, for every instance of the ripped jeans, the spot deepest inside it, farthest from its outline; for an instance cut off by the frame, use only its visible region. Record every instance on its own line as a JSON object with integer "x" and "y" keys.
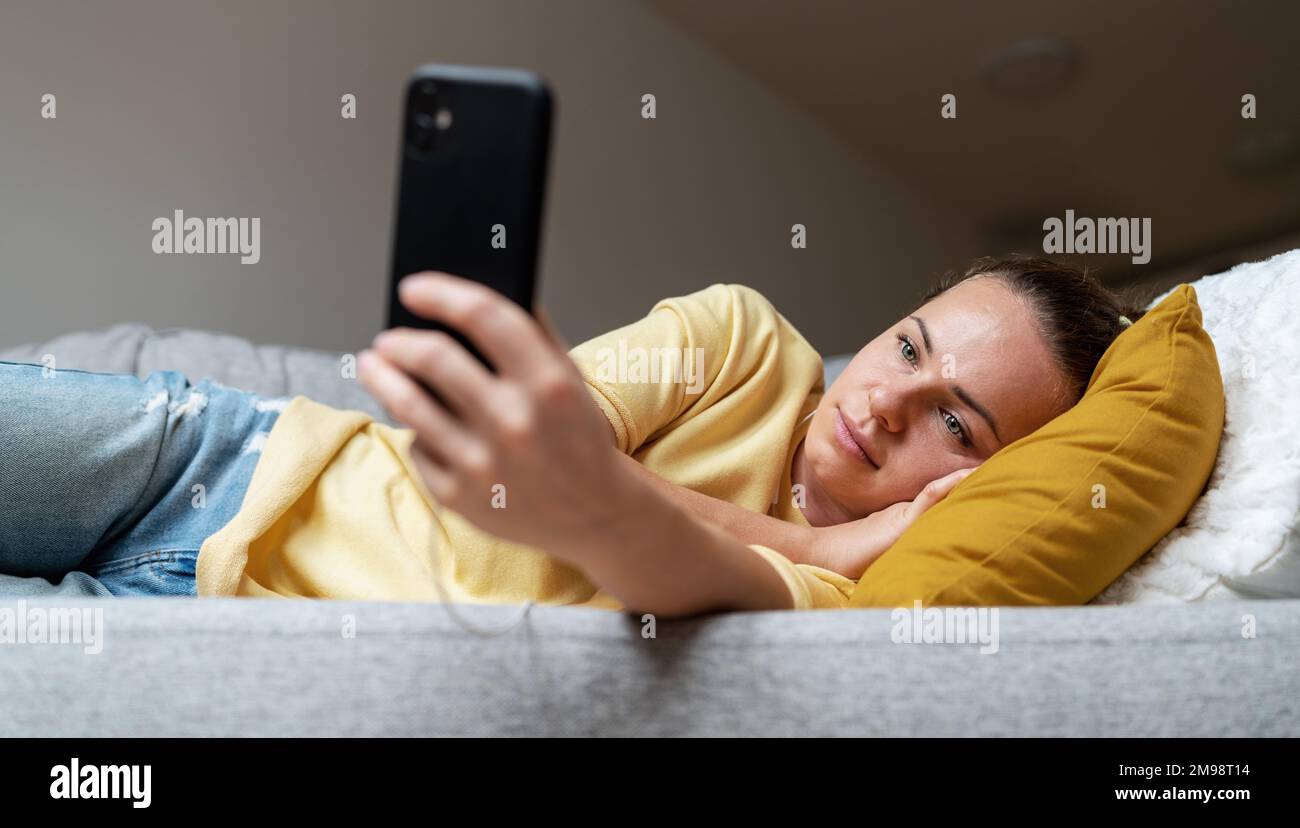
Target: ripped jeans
{"x": 111, "y": 484}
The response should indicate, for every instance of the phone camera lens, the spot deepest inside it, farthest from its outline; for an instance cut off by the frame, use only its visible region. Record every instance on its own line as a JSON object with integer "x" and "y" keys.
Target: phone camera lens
{"x": 429, "y": 116}
{"x": 423, "y": 131}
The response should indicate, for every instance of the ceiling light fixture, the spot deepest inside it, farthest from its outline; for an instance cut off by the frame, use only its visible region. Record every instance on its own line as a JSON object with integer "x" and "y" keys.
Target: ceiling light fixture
{"x": 1031, "y": 67}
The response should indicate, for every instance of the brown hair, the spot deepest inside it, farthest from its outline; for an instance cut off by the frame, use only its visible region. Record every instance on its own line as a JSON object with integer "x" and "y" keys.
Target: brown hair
{"x": 1077, "y": 315}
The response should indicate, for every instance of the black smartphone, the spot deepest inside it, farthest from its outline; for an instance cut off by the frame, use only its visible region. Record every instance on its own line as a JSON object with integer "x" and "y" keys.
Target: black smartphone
{"x": 471, "y": 182}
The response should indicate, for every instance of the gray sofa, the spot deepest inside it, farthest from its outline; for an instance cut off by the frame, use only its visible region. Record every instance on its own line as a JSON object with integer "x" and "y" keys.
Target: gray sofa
{"x": 235, "y": 667}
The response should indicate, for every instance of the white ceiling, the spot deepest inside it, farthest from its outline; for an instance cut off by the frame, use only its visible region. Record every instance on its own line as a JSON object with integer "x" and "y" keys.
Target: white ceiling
{"x": 1147, "y": 126}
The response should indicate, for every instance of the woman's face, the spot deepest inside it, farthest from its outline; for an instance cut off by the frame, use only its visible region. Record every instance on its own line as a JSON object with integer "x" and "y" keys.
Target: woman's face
{"x": 941, "y": 390}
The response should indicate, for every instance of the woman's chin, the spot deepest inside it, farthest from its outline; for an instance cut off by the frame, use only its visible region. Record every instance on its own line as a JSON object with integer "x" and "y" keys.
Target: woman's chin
{"x": 844, "y": 482}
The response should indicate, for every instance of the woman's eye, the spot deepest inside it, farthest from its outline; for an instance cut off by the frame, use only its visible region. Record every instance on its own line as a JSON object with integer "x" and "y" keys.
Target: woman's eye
{"x": 906, "y": 347}
{"x": 954, "y": 426}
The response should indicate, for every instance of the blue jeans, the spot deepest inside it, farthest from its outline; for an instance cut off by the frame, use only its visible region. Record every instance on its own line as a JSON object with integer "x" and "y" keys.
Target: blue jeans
{"x": 116, "y": 481}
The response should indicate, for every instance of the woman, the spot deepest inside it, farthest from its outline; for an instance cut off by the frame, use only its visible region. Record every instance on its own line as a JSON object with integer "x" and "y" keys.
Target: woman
{"x": 743, "y": 487}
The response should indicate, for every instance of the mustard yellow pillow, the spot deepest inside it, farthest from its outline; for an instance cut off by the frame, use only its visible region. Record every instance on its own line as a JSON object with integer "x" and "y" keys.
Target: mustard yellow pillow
{"x": 1056, "y": 516}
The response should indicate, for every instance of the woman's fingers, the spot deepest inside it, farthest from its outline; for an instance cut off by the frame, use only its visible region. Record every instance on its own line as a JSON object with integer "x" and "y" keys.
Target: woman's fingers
{"x": 511, "y": 340}
{"x": 935, "y": 491}
{"x": 443, "y": 438}
{"x": 437, "y": 479}
{"x": 439, "y": 361}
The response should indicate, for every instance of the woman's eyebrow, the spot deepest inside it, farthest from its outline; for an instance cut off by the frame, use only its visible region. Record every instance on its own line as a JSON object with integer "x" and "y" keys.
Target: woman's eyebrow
{"x": 957, "y": 389}
{"x": 925, "y": 332}
{"x": 979, "y": 409}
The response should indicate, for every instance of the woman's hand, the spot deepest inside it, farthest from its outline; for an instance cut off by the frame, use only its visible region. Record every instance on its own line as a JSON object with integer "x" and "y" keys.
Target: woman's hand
{"x": 522, "y": 454}
{"x": 849, "y": 548}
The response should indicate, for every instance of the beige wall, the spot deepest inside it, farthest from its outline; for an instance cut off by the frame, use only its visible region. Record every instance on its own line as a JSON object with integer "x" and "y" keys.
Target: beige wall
{"x": 232, "y": 109}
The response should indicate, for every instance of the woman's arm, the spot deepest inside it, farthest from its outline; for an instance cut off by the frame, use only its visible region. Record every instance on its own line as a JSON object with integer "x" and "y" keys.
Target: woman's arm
{"x": 848, "y": 548}
{"x": 655, "y": 556}
{"x": 533, "y": 428}
{"x": 798, "y": 543}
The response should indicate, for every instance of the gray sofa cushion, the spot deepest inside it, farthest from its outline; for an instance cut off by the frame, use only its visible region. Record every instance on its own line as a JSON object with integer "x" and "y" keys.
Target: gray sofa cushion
{"x": 271, "y": 370}
{"x": 834, "y": 366}
{"x": 227, "y": 667}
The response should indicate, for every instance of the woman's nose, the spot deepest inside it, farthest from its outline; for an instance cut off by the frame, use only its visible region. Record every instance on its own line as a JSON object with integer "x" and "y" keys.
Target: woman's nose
{"x": 885, "y": 402}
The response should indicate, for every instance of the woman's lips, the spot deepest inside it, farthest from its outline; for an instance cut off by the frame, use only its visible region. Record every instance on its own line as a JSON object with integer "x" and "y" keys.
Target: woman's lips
{"x": 848, "y": 442}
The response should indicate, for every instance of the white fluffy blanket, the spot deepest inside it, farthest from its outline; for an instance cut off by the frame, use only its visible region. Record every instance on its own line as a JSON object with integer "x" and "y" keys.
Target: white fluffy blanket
{"x": 1240, "y": 538}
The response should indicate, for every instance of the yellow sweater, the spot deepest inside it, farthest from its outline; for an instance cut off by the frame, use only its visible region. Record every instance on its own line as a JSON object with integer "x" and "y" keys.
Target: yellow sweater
{"x": 335, "y": 509}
